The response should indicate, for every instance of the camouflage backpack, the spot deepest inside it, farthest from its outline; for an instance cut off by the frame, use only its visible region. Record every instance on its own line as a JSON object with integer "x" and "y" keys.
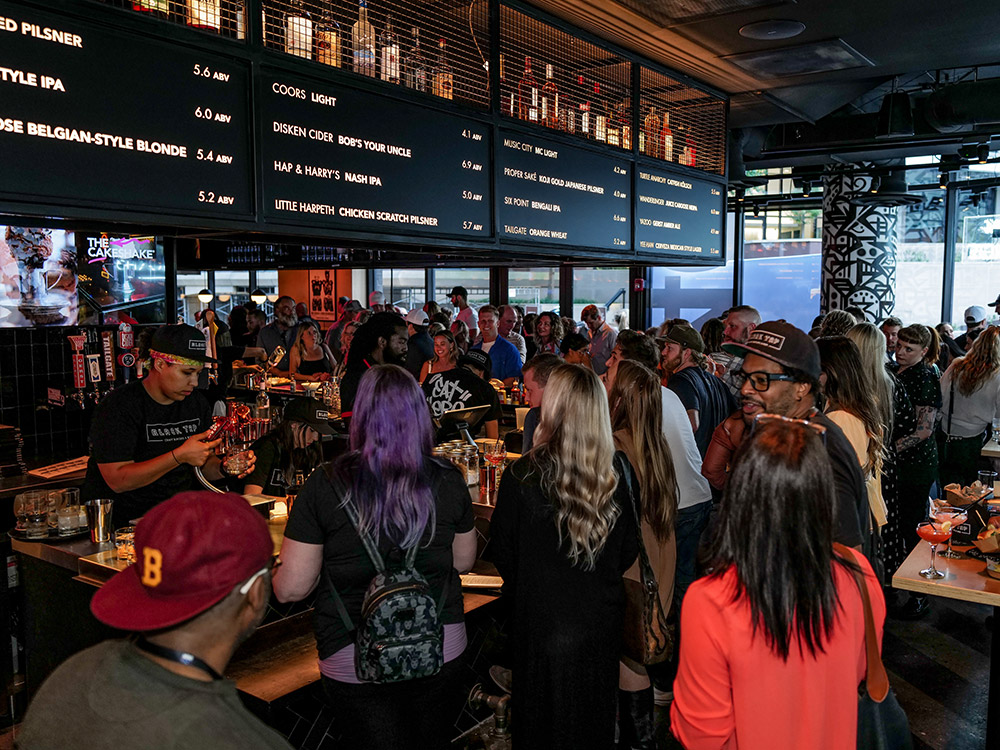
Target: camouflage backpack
{"x": 400, "y": 635}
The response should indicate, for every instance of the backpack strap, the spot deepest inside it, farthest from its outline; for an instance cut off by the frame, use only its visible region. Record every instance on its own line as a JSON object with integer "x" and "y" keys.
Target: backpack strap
{"x": 352, "y": 515}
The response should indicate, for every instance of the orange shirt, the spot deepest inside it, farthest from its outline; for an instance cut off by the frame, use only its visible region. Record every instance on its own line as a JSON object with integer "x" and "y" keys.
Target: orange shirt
{"x": 733, "y": 691}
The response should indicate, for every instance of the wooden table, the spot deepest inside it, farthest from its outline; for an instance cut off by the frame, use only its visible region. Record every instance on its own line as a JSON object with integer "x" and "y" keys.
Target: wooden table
{"x": 968, "y": 581}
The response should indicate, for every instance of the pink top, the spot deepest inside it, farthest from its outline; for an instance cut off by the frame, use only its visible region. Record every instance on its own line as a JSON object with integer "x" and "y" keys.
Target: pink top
{"x": 340, "y": 666}
{"x": 732, "y": 691}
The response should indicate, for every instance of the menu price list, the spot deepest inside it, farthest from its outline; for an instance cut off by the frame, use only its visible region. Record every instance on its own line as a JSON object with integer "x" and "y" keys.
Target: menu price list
{"x": 677, "y": 215}
{"x": 346, "y": 158}
{"x": 94, "y": 116}
{"x": 556, "y": 194}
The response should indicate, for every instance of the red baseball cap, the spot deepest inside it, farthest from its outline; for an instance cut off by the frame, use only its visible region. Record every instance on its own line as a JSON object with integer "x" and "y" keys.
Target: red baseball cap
{"x": 191, "y": 551}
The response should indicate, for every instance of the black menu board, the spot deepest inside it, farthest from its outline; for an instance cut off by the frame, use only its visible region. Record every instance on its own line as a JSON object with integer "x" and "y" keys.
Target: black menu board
{"x": 100, "y": 117}
{"x": 678, "y": 216}
{"x": 335, "y": 156}
{"x": 556, "y": 194}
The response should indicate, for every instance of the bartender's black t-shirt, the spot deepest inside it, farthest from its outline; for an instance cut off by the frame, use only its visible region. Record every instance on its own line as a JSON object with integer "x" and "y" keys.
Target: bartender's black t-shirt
{"x": 129, "y": 425}
{"x": 460, "y": 389}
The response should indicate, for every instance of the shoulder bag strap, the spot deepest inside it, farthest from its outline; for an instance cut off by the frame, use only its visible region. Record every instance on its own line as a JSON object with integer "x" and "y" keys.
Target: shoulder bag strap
{"x": 646, "y": 570}
{"x": 876, "y": 679}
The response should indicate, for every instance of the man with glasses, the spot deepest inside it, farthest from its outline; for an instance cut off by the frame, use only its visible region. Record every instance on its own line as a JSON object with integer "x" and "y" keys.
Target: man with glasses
{"x": 199, "y": 588}
{"x": 780, "y": 375}
{"x": 602, "y": 338}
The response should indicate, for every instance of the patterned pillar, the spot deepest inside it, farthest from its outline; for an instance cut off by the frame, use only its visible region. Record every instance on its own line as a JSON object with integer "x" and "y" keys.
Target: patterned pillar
{"x": 859, "y": 250}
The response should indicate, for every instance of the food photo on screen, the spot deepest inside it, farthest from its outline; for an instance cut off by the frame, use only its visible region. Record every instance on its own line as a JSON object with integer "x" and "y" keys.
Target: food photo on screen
{"x": 38, "y": 277}
{"x": 122, "y": 279}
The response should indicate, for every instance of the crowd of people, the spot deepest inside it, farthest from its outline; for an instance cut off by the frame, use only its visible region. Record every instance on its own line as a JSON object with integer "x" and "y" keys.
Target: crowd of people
{"x": 759, "y": 471}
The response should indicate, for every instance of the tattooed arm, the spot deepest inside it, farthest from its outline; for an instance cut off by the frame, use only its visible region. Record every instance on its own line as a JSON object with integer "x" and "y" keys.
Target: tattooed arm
{"x": 925, "y": 428}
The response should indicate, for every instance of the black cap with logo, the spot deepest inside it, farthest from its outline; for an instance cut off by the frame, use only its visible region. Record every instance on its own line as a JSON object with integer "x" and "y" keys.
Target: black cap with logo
{"x": 181, "y": 341}
{"x": 460, "y": 291}
{"x": 309, "y": 411}
{"x": 478, "y": 359}
{"x": 782, "y": 343}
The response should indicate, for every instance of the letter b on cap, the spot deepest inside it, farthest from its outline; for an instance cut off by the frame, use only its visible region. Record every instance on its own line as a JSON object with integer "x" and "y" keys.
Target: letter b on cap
{"x": 152, "y": 567}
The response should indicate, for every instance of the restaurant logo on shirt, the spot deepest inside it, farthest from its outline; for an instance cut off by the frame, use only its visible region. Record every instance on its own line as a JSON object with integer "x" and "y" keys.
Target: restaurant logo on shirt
{"x": 171, "y": 431}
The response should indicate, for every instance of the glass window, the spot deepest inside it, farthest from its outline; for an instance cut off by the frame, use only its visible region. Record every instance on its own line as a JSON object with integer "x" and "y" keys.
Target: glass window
{"x": 920, "y": 259}
{"x": 534, "y": 289}
{"x": 605, "y": 287}
{"x": 977, "y": 254}
{"x": 475, "y": 280}
{"x": 232, "y": 288}
{"x": 267, "y": 282}
{"x": 404, "y": 287}
{"x": 188, "y": 286}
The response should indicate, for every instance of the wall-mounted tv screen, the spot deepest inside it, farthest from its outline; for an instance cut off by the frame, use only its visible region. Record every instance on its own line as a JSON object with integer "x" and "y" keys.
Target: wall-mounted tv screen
{"x": 122, "y": 279}
{"x": 38, "y": 277}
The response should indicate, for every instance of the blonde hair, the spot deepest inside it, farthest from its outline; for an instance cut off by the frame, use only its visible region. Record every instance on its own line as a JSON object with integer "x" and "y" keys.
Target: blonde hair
{"x": 972, "y": 371}
{"x": 871, "y": 344}
{"x": 637, "y": 411}
{"x": 574, "y": 454}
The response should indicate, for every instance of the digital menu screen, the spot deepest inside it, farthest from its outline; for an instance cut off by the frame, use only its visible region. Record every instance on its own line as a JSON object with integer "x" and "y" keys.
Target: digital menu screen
{"x": 334, "y": 156}
{"x": 556, "y": 194}
{"x": 38, "y": 278}
{"x": 677, "y": 215}
{"x": 101, "y": 117}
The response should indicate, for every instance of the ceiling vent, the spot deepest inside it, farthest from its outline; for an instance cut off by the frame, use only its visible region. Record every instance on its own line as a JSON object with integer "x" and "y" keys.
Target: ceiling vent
{"x": 668, "y": 13}
{"x": 800, "y": 60}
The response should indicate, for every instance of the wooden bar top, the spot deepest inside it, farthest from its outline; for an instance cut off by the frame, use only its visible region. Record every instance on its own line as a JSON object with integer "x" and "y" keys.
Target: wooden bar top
{"x": 964, "y": 579}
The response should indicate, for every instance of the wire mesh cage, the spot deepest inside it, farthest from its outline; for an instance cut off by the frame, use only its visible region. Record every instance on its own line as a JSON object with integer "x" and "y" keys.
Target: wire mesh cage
{"x": 224, "y": 17}
{"x": 438, "y": 48}
{"x": 681, "y": 124}
{"x": 554, "y": 80}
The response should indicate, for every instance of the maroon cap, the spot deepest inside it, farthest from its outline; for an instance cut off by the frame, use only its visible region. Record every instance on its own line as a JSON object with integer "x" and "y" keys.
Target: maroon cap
{"x": 191, "y": 551}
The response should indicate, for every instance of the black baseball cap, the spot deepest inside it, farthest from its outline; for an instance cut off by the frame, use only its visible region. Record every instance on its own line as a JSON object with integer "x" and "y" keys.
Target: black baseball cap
{"x": 995, "y": 302}
{"x": 478, "y": 359}
{"x": 181, "y": 341}
{"x": 459, "y": 290}
{"x": 309, "y": 411}
{"x": 353, "y": 306}
{"x": 782, "y": 343}
{"x": 686, "y": 336}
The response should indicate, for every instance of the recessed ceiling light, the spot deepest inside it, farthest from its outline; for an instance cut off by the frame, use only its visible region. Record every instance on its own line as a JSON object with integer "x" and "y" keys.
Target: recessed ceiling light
{"x": 774, "y": 29}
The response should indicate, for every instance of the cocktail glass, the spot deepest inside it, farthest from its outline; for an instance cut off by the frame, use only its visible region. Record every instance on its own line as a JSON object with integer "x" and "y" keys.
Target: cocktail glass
{"x": 933, "y": 532}
{"x": 957, "y": 516}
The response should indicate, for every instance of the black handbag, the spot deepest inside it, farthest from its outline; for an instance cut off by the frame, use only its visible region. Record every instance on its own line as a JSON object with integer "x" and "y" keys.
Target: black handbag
{"x": 649, "y": 636}
{"x": 882, "y": 723}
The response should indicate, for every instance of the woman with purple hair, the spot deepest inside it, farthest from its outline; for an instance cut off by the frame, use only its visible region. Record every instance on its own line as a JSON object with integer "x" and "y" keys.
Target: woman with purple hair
{"x": 404, "y": 498}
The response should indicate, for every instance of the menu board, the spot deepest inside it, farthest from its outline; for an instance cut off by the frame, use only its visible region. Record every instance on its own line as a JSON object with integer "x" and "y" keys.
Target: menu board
{"x": 678, "y": 215}
{"x": 556, "y": 194}
{"x": 91, "y": 116}
{"x": 335, "y": 156}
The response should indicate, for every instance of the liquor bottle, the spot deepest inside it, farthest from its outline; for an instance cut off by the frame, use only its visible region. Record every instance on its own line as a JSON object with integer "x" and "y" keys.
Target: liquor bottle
{"x": 363, "y": 42}
{"x": 234, "y": 16}
{"x": 262, "y": 405}
{"x": 390, "y": 53}
{"x": 443, "y": 82}
{"x": 689, "y": 151}
{"x": 625, "y": 122}
{"x": 568, "y": 120}
{"x": 415, "y": 67}
{"x": 550, "y": 100}
{"x": 614, "y": 124}
{"x": 298, "y": 30}
{"x": 667, "y": 138}
{"x": 328, "y": 36}
{"x": 527, "y": 94}
{"x": 599, "y": 114}
{"x": 584, "y": 107}
{"x": 650, "y": 135}
{"x": 204, "y": 14}
{"x": 158, "y": 8}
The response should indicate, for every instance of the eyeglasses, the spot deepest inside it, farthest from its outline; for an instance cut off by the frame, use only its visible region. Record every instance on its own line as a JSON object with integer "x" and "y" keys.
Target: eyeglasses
{"x": 760, "y": 381}
{"x": 764, "y": 419}
{"x": 269, "y": 568}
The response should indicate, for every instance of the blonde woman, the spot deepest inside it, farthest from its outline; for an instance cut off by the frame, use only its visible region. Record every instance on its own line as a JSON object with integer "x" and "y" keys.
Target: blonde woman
{"x": 445, "y": 357}
{"x": 637, "y": 420}
{"x": 562, "y": 535}
{"x": 310, "y": 359}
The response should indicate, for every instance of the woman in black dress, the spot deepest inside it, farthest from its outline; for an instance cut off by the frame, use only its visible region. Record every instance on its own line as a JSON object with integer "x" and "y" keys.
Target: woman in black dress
{"x": 562, "y": 535}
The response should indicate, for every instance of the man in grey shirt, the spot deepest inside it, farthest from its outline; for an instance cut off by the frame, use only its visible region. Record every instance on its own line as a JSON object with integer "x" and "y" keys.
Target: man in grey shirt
{"x": 199, "y": 587}
{"x": 280, "y": 332}
{"x": 602, "y": 338}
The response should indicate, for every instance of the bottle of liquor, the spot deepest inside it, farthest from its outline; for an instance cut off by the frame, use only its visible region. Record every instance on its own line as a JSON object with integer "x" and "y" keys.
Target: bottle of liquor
{"x": 689, "y": 151}
{"x": 667, "y": 138}
{"x": 262, "y": 405}
{"x": 158, "y": 8}
{"x": 298, "y": 30}
{"x": 443, "y": 82}
{"x": 234, "y": 19}
{"x": 614, "y": 124}
{"x": 550, "y": 100}
{"x": 390, "y": 53}
{"x": 625, "y": 122}
{"x": 599, "y": 114}
{"x": 363, "y": 42}
{"x": 328, "y": 37}
{"x": 415, "y": 67}
{"x": 527, "y": 94}
{"x": 584, "y": 108}
{"x": 650, "y": 136}
{"x": 204, "y": 14}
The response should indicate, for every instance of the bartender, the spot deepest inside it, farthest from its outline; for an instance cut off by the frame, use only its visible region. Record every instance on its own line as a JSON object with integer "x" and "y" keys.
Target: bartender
{"x": 146, "y": 437}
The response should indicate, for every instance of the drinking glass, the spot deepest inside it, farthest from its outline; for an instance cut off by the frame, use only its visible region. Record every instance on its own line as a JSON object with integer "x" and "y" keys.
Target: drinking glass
{"x": 988, "y": 479}
{"x": 956, "y": 516}
{"x": 237, "y": 459}
{"x": 26, "y": 503}
{"x": 933, "y": 532}
{"x": 125, "y": 543}
{"x": 996, "y": 430}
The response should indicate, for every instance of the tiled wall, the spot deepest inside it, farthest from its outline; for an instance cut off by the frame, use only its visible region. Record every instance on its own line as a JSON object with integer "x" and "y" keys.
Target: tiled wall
{"x": 31, "y": 360}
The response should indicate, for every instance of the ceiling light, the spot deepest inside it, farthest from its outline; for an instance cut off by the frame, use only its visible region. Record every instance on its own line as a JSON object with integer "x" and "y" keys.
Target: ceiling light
{"x": 807, "y": 187}
{"x": 272, "y": 298}
{"x": 782, "y": 28}
{"x": 876, "y": 184}
{"x": 943, "y": 180}
{"x": 983, "y": 152}
{"x": 258, "y": 296}
{"x": 205, "y": 296}
{"x": 225, "y": 297}
{"x": 741, "y": 195}
{"x": 895, "y": 116}
{"x": 756, "y": 209}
